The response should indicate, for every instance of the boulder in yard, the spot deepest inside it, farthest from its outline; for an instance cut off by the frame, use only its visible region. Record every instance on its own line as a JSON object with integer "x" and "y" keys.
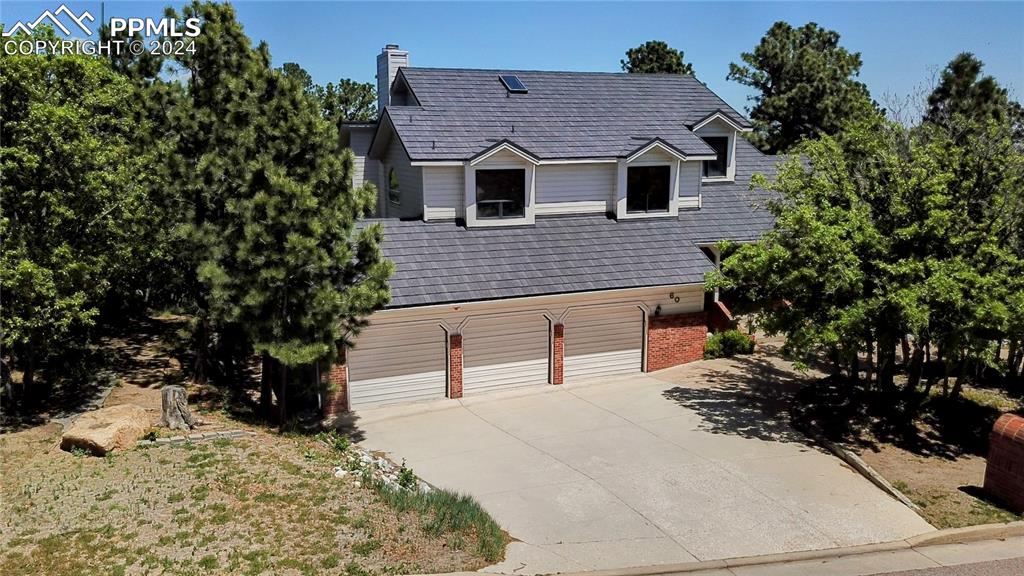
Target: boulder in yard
{"x": 112, "y": 428}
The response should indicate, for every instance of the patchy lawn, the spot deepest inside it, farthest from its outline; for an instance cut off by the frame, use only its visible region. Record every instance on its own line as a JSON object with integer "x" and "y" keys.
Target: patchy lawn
{"x": 261, "y": 505}
{"x": 936, "y": 457}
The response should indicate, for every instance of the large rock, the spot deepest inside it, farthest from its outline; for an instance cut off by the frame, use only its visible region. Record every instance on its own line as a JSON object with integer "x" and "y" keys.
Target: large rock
{"x": 112, "y": 428}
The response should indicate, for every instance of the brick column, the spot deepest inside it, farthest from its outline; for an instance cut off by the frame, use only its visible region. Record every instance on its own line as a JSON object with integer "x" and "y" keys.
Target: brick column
{"x": 455, "y": 366}
{"x": 336, "y": 397}
{"x": 1004, "y": 470}
{"x": 676, "y": 339}
{"x": 558, "y": 353}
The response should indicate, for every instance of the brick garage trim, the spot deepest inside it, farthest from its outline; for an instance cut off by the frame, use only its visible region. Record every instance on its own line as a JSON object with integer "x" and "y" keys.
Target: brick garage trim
{"x": 335, "y": 399}
{"x": 1004, "y": 470}
{"x": 455, "y": 366}
{"x": 558, "y": 354}
{"x": 676, "y": 339}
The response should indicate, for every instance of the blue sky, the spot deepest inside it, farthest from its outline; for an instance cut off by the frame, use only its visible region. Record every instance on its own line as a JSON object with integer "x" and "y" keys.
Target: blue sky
{"x": 902, "y": 44}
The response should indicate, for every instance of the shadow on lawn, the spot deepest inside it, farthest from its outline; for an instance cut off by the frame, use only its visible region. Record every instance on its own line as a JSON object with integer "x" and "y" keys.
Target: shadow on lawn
{"x": 930, "y": 426}
{"x": 751, "y": 399}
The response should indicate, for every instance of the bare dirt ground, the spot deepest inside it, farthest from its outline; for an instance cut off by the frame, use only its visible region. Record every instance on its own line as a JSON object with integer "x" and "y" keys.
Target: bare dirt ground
{"x": 267, "y": 504}
{"x": 947, "y": 490}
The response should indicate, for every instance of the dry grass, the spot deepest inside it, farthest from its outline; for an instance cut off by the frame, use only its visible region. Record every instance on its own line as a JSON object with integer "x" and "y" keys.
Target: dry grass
{"x": 266, "y": 505}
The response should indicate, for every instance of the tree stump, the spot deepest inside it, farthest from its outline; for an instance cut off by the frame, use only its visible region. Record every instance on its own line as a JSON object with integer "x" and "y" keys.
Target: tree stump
{"x": 176, "y": 415}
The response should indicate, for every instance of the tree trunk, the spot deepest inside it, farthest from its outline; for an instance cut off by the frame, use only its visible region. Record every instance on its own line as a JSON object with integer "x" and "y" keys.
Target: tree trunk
{"x": 999, "y": 351}
{"x": 282, "y": 408}
{"x": 914, "y": 374}
{"x": 905, "y": 348}
{"x": 174, "y": 409}
{"x": 201, "y": 340}
{"x": 855, "y": 369}
{"x": 886, "y": 362}
{"x": 960, "y": 377}
{"x": 1011, "y": 359}
{"x": 267, "y": 387}
{"x": 870, "y": 368}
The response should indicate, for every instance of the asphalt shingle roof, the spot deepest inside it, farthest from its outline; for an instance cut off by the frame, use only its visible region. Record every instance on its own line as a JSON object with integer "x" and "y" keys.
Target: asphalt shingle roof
{"x": 564, "y": 114}
{"x": 441, "y": 262}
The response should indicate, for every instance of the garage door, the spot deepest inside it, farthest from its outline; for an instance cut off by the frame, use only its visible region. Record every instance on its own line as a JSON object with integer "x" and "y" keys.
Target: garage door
{"x": 397, "y": 363}
{"x": 505, "y": 352}
{"x": 603, "y": 341}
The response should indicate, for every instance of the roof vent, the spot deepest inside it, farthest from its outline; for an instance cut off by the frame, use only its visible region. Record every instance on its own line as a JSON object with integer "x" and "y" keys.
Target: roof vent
{"x": 513, "y": 84}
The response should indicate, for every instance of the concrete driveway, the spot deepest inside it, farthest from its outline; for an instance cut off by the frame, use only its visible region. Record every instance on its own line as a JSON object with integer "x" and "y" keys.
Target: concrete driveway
{"x": 692, "y": 463}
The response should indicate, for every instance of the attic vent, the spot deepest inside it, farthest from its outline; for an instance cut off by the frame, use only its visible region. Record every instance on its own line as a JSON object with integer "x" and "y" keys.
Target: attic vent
{"x": 513, "y": 84}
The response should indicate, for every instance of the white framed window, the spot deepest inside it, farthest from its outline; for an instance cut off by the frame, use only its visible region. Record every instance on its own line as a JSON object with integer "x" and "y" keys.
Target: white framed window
{"x": 648, "y": 189}
{"x": 719, "y": 167}
{"x": 500, "y": 193}
{"x": 394, "y": 187}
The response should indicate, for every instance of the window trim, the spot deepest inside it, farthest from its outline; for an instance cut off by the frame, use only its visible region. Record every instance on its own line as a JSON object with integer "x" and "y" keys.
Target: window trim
{"x": 500, "y": 217}
{"x": 470, "y": 200}
{"x": 727, "y": 161}
{"x": 668, "y": 191}
{"x": 394, "y": 194}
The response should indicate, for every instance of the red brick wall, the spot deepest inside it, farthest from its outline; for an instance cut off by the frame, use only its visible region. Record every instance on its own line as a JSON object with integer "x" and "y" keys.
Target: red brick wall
{"x": 455, "y": 366}
{"x": 1004, "y": 473}
{"x": 336, "y": 397}
{"x": 719, "y": 317}
{"x": 558, "y": 351}
{"x": 674, "y": 340}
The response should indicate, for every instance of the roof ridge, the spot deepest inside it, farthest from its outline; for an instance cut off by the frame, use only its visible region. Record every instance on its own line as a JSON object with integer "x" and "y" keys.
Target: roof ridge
{"x": 536, "y": 71}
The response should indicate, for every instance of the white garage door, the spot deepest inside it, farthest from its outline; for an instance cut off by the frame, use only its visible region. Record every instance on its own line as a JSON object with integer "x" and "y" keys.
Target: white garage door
{"x": 504, "y": 352}
{"x": 397, "y": 363}
{"x": 603, "y": 341}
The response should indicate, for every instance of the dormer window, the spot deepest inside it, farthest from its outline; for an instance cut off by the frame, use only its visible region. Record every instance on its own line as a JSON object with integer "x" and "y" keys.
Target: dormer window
{"x": 394, "y": 189}
{"x": 648, "y": 189}
{"x": 718, "y": 167}
{"x": 500, "y": 193}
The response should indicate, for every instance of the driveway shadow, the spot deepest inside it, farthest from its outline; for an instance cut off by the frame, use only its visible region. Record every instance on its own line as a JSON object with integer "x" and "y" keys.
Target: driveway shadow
{"x": 747, "y": 396}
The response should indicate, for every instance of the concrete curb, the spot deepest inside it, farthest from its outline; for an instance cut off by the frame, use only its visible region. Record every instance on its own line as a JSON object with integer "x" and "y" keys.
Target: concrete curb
{"x": 868, "y": 472}
{"x": 940, "y": 537}
{"x": 859, "y": 465}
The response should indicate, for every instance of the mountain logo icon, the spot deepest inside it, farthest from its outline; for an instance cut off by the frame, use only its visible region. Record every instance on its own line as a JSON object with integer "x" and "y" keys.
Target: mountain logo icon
{"x": 54, "y": 19}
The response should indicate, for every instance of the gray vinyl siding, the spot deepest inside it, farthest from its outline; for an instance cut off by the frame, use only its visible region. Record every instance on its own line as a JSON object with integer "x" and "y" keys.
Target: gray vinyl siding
{"x": 444, "y": 189}
{"x": 575, "y": 188}
{"x": 364, "y": 169}
{"x": 410, "y": 180}
{"x": 689, "y": 184}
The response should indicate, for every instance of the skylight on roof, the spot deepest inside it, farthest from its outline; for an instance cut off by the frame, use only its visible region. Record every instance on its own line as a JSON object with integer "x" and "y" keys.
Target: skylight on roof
{"x": 513, "y": 84}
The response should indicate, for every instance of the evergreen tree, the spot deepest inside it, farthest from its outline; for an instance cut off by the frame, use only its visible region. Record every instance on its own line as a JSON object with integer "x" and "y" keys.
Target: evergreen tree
{"x": 655, "y": 57}
{"x": 963, "y": 91}
{"x": 277, "y": 254}
{"x": 806, "y": 85}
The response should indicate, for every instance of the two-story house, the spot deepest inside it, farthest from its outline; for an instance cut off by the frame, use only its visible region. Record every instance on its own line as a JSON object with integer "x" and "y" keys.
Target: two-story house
{"x": 545, "y": 226}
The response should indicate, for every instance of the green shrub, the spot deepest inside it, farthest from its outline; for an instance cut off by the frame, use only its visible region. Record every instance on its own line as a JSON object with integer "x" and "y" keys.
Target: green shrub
{"x": 728, "y": 343}
{"x": 406, "y": 477}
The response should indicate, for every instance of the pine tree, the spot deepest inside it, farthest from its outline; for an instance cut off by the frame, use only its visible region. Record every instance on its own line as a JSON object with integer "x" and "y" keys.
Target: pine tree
{"x": 655, "y": 57}
{"x": 278, "y": 258}
{"x": 806, "y": 85}
{"x": 963, "y": 91}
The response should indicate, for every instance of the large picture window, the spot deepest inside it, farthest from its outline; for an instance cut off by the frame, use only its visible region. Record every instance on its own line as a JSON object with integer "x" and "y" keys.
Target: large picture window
{"x": 717, "y": 168}
{"x": 500, "y": 193}
{"x": 647, "y": 188}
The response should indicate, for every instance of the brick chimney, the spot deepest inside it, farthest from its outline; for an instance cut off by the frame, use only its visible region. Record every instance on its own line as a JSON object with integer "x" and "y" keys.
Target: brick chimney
{"x": 390, "y": 59}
